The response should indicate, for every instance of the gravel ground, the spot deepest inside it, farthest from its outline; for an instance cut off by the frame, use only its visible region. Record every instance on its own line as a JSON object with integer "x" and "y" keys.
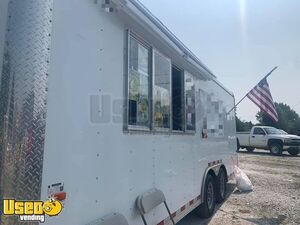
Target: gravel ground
{"x": 274, "y": 200}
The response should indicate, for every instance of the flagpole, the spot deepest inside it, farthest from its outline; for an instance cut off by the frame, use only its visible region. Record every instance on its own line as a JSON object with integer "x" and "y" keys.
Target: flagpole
{"x": 265, "y": 77}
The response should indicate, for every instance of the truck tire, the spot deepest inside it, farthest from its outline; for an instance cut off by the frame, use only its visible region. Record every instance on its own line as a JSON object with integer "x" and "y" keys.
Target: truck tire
{"x": 250, "y": 149}
{"x": 293, "y": 151}
{"x": 238, "y": 146}
{"x": 276, "y": 148}
{"x": 207, "y": 208}
{"x": 221, "y": 186}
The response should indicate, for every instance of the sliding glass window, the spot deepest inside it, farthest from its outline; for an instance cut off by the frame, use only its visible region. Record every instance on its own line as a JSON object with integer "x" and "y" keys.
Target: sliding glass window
{"x": 162, "y": 92}
{"x": 138, "y": 84}
{"x": 190, "y": 102}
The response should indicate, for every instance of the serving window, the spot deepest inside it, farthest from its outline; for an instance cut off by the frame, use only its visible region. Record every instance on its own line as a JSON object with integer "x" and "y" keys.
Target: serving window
{"x": 160, "y": 96}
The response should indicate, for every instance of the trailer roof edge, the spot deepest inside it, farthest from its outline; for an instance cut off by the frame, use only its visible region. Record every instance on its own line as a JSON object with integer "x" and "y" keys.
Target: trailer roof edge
{"x": 172, "y": 37}
{"x": 169, "y": 34}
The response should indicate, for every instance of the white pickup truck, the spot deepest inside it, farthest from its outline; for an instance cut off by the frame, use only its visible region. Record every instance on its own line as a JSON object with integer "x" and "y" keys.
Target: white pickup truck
{"x": 268, "y": 138}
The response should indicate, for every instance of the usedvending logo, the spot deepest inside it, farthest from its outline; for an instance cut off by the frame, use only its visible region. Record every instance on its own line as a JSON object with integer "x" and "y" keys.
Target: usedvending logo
{"x": 31, "y": 210}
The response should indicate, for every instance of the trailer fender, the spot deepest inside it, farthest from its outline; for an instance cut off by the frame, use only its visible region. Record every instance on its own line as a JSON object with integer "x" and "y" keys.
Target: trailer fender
{"x": 213, "y": 169}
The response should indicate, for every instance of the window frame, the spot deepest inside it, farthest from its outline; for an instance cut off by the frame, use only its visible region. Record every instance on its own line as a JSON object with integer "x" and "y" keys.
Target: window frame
{"x": 154, "y": 128}
{"x": 128, "y": 34}
{"x": 140, "y": 41}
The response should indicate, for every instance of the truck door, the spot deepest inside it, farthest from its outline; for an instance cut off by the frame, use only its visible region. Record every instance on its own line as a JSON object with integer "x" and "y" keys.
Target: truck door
{"x": 258, "y": 138}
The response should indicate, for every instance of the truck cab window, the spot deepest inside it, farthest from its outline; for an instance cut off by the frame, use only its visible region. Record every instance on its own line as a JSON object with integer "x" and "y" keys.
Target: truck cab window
{"x": 177, "y": 99}
{"x": 190, "y": 115}
{"x": 138, "y": 84}
{"x": 258, "y": 131}
{"x": 161, "y": 92}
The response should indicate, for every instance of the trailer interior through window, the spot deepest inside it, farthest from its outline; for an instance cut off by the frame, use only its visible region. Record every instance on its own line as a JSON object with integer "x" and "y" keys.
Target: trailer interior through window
{"x": 177, "y": 99}
{"x": 162, "y": 92}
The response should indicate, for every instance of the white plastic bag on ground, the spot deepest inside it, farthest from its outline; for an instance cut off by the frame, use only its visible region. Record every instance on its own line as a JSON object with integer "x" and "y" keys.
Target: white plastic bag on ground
{"x": 242, "y": 181}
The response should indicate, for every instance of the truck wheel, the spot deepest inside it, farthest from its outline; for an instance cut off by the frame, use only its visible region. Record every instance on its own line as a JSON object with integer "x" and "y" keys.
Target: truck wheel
{"x": 276, "y": 149}
{"x": 293, "y": 151}
{"x": 221, "y": 186}
{"x": 250, "y": 149}
{"x": 206, "y": 209}
{"x": 238, "y": 145}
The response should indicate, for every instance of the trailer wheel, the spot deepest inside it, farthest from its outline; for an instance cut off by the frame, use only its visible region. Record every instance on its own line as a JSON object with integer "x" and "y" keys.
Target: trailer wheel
{"x": 293, "y": 151}
{"x": 276, "y": 148}
{"x": 206, "y": 209}
{"x": 221, "y": 186}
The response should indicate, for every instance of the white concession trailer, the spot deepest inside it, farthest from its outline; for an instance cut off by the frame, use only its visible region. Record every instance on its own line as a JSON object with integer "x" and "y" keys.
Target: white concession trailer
{"x": 101, "y": 104}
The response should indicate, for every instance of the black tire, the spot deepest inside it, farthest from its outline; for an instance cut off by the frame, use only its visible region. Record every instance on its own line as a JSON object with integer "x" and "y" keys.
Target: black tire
{"x": 221, "y": 186}
{"x": 293, "y": 151}
{"x": 238, "y": 146}
{"x": 276, "y": 148}
{"x": 207, "y": 208}
{"x": 250, "y": 149}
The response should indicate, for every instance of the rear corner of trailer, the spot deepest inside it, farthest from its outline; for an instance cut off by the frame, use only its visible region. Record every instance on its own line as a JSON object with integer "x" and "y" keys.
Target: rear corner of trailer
{"x": 232, "y": 157}
{"x": 223, "y": 140}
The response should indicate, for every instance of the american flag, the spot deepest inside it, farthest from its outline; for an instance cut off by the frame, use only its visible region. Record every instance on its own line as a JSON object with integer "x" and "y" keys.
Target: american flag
{"x": 261, "y": 96}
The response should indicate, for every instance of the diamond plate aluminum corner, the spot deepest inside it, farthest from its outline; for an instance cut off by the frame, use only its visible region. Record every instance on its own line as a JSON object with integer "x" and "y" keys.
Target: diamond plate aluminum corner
{"x": 23, "y": 98}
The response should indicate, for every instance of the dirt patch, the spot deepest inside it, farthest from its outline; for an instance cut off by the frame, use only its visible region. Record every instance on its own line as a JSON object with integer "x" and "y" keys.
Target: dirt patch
{"x": 275, "y": 199}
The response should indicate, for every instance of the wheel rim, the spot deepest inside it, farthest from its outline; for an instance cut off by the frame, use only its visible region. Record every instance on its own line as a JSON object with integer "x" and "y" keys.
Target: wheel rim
{"x": 210, "y": 195}
{"x": 275, "y": 149}
{"x": 222, "y": 184}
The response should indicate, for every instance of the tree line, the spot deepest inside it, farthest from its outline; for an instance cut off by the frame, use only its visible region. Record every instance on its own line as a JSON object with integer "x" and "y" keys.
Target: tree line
{"x": 288, "y": 120}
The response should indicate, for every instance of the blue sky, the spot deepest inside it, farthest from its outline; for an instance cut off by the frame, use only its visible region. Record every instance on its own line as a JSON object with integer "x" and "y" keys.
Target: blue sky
{"x": 241, "y": 41}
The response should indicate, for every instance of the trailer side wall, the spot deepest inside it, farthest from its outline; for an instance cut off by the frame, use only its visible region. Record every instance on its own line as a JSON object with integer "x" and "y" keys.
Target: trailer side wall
{"x": 103, "y": 168}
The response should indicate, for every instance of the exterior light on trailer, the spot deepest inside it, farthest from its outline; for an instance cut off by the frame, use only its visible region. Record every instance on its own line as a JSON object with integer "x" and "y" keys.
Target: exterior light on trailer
{"x": 60, "y": 196}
